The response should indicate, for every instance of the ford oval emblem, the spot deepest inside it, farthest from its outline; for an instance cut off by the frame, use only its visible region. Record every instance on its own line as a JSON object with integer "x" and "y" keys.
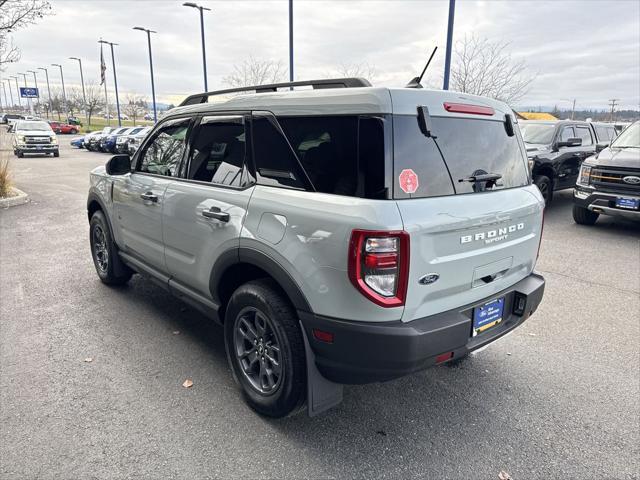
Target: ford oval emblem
{"x": 428, "y": 279}
{"x": 632, "y": 179}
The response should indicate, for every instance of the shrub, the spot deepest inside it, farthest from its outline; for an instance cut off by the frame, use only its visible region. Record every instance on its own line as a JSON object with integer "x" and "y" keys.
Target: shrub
{"x": 5, "y": 178}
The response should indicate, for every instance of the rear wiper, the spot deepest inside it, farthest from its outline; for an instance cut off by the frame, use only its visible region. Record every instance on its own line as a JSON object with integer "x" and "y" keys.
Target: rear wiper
{"x": 485, "y": 177}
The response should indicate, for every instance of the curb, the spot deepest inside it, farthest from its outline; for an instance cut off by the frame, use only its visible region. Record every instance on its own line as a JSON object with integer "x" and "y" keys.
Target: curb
{"x": 18, "y": 199}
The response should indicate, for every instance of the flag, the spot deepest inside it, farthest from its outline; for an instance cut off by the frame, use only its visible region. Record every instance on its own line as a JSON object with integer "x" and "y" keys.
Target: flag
{"x": 103, "y": 67}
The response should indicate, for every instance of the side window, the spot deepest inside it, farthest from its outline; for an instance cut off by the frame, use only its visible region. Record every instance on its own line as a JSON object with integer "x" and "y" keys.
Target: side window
{"x": 585, "y": 134}
{"x": 276, "y": 164}
{"x": 163, "y": 154}
{"x": 218, "y": 151}
{"x": 327, "y": 147}
{"x": 566, "y": 134}
{"x": 612, "y": 133}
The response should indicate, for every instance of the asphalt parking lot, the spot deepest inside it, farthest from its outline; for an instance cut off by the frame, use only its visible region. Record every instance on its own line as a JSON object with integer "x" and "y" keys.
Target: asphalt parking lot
{"x": 556, "y": 399}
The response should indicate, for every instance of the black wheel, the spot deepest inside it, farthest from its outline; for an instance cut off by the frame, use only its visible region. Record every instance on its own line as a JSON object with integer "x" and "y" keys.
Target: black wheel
{"x": 584, "y": 216}
{"x": 265, "y": 349}
{"x": 74, "y": 131}
{"x": 104, "y": 252}
{"x": 20, "y": 154}
{"x": 56, "y": 154}
{"x": 545, "y": 186}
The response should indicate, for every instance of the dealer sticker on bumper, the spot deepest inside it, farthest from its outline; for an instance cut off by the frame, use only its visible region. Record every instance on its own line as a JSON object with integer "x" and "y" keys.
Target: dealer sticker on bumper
{"x": 487, "y": 316}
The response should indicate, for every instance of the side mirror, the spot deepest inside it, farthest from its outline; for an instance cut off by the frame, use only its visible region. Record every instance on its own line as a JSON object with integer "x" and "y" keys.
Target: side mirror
{"x": 601, "y": 146}
{"x": 118, "y": 165}
{"x": 571, "y": 142}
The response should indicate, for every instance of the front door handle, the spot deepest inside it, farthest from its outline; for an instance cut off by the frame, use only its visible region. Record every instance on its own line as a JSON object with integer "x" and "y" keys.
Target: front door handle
{"x": 149, "y": 197}
{"x": 215, "y": 212}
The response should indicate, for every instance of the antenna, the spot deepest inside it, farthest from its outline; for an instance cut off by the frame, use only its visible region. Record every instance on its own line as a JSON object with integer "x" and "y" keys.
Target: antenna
{"x": 415, "y": 83}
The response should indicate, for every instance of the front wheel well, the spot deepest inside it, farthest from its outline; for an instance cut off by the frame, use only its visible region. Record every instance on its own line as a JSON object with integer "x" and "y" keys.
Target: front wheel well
{"x": 92, "y": 208}
{"x": 547, "y": 171}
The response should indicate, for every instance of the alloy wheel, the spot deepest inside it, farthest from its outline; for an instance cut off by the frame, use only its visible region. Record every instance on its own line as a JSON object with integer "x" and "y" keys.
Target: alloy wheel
{"x": 257, "y": 349}
{"x": 100, "y": 250}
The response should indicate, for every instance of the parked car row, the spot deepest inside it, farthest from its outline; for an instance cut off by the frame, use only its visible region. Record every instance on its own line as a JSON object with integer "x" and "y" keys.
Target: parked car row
{"x": 113, "y": 140}
{"x": 556, "y": 150}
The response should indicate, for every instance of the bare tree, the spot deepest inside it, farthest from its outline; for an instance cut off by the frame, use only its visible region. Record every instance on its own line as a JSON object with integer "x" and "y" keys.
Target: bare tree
{"x": 483, "y": 67}
{"x": 256, "y": 72}
{"x": 15, "y": 14}
{"x": 9, "y": 53}
{"x": 95, "y": 99}
{"x": 355, "y": 70}
{"x": 135, "y": 107}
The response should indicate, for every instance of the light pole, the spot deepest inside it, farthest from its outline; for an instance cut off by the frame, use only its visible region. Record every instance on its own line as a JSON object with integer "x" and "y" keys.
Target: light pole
{"x": 4, "y": 89}
{"x": 10, "y": 93}
{"x": 24, "y": 76}
{"x": 18, "y": 90}
{"x": 115, "y": 78}
{"x": 153, "y": 87}
{"x": 573, "y": 107}
{"x": 64, "y": 93}
{"x": 84, "y": 96}
{"x": 204, "y": 55}
{"x": 46, "y": 73}
{"x": 447, "y": 60}
{"x": 35, "y": 82}
{"x": 291, "y": 41}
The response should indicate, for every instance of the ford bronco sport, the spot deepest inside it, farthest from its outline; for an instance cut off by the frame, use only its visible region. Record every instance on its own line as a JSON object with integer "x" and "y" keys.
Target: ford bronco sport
{"x": 609, "y": 182}
{"x": 342, "y": 234}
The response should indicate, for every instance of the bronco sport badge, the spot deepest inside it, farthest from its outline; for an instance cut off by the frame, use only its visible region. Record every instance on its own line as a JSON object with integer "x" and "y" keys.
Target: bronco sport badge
{"x": 492, "y": 236}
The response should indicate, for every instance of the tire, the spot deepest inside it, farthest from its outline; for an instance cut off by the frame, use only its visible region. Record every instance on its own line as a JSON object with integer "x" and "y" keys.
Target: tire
{"x": 584, "y": 216}
{"x": 56, "y": 154}
{"x": 259, "y": 320}
{"x": 545, "y": 186}
{"x": 20, "y": 154}
{"x": 103, "y": 252}
{"x": 74, "y": 131}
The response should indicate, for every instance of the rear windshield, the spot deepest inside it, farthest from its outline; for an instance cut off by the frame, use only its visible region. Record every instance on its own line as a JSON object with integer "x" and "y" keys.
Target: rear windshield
{"x": 459, "y": 149}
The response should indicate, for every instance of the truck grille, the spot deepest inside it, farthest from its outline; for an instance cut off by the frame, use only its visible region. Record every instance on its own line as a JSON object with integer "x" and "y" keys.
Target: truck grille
{"x": 37, "y": 139}
{"x": 611, "y": 178}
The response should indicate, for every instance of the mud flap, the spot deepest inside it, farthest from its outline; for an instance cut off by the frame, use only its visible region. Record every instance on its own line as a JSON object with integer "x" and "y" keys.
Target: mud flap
{"x": 322, "y": 394}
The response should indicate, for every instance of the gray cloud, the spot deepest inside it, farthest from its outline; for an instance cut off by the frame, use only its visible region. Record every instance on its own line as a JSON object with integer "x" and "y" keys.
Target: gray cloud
{"x": 588, "y": 50}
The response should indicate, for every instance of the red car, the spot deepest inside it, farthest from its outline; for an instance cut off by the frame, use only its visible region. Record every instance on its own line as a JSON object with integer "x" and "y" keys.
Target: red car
{"x": 59, "y": 127}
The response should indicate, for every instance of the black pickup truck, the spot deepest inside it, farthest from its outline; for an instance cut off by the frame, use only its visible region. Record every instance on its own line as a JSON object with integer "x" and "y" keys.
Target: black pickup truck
{"x": 609, "y": 182}
{"x": 556, "y": 149}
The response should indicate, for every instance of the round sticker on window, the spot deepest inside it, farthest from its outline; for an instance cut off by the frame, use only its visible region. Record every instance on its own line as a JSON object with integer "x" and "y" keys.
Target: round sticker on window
{"x": 408, "y": 181}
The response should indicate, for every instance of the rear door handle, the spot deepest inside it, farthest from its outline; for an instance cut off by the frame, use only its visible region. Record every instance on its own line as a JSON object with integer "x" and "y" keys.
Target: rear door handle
{"x": 215, "y": 212}
{"x": 149, "y": 197}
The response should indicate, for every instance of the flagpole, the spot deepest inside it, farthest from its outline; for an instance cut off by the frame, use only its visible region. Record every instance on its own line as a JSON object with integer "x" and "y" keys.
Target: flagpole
{"x": 103, "y": 81}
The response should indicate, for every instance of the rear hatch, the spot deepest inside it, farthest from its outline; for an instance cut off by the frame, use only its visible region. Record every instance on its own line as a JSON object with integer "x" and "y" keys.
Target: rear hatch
{"x": 469, "y": 238}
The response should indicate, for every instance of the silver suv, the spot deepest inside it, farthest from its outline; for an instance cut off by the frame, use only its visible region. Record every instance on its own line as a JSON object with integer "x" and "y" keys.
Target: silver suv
{"x": 342, "y": 234}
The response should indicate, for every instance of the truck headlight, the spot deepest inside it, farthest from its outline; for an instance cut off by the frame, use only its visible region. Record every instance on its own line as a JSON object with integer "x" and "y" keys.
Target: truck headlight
{"x": 21, "y": 139}
{"x": 54, "y": 140}
{"x": 584, "y": 178}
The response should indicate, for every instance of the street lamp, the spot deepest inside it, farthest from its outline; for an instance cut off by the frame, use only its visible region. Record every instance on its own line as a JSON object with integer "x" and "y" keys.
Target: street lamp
{"x": 24, "y": 76}
{"x": 291, "y": 41}
{"x": 10, "y": 93}
{"x": 64, "y": 93}
{"x": 447, "y": 60}
{"x": 204, "y": 55}
{"x": 153, "y": 88}
{"x": 35, "y": 82}
{"x": 115, "y": 78}
{"x": 18, "y": 90}
{"x": 46, "y": 73}
{"x": 4, "y": 89}
{"x": 84, "y": 96}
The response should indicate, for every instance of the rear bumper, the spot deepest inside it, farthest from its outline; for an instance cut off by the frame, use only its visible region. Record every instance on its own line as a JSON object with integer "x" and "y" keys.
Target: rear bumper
{"x": 366, "y": 352}
{"x": 604, "y": 203}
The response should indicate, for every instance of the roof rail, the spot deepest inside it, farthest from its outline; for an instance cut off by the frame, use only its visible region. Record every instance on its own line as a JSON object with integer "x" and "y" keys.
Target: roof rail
{"x": 273, "y": 87}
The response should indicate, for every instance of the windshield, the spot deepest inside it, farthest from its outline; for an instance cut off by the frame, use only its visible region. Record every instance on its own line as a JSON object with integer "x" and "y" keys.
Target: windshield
{"x": 537, "y": 133}
{"x": 37, "y": 126}
{"x": 630, "y": 138}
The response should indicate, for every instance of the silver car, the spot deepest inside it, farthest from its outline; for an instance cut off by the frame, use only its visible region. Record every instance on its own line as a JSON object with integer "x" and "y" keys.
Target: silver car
{"x": 342, "y": 234}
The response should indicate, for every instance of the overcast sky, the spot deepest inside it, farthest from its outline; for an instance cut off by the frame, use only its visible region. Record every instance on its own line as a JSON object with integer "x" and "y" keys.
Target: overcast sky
{"x": 588, "y": 50}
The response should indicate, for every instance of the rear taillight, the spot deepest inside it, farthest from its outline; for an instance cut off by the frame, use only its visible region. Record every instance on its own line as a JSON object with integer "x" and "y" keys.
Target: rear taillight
{"x": 468, "y": 108}
{"x": 379, "y": 265}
